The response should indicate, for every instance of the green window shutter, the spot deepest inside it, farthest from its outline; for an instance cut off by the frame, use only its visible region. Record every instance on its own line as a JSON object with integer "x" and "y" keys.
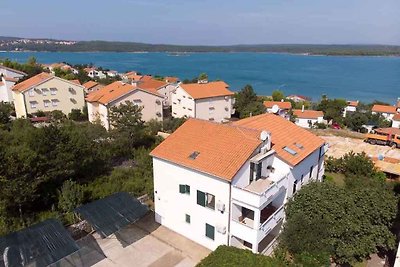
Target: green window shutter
{"x": 182, "y": 188}
{"x": 201, "y": 198}
{"x": 187, "y": 189}
{"x": 187, "y": 218}
{"x": 210, "y": 231}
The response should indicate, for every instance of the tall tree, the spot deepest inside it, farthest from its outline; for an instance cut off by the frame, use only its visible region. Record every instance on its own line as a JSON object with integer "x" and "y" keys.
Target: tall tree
{"x": 247, "y": 103}
{"x": 278, "y": 95}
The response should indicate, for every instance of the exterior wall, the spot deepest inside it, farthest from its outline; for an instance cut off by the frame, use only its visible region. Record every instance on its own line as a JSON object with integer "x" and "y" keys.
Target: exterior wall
{"x": 304, "y": 122}
{"x": 349, "y": 109}
{"x": 396, "y": 124}
{"x": 152, "y": 104}
{"x": 217, "y": 109}
{"x": 19, "y": 104}
{"x": 97, "y": 112}
{"x": 387, "y": 116}
{"x": 6, "y": 94}
{"x": 183, "y": 104}
{"x": 67, "y": 100}
{"x": 167, "y": 92}
{"x": 171, "y": 206}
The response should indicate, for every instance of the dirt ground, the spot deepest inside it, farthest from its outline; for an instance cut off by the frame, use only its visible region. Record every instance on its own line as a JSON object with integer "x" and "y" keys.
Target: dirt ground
{"x": 340, "y": 145}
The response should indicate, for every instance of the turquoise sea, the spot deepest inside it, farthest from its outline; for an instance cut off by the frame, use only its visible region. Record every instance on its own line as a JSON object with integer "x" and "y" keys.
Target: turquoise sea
{"x": 355, "y": 78}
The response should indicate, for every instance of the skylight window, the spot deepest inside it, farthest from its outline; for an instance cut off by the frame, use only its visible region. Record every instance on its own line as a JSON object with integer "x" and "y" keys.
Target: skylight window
{"x": 194, "y": 155}
{"x": 299, "y": 145}
{"x": 290, "y": 151}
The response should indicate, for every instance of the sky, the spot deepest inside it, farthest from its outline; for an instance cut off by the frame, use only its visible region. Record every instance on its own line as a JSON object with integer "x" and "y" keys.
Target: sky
{"x": 206, "y": 22}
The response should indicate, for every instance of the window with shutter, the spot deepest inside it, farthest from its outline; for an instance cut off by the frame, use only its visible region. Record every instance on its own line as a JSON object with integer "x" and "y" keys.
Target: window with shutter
{"x": 210, "y": 231}
{"x": 187, "y": 218}
{"x": 184, "y": 189}
{"x": 201, "y": 198}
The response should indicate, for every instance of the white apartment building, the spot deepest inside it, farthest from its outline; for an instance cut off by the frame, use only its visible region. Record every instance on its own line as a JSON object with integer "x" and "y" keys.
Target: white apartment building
{"x": 227, "y": 184}
{"x": 208, "y": 101}
{"x": 386, "y": 111}
{"x": 307, "y": 118}
{"x": 46, "y": 92}
{"x": 11, "y": 73}
{"x": 8, "y": 78}
{"x": 99, "y": 102}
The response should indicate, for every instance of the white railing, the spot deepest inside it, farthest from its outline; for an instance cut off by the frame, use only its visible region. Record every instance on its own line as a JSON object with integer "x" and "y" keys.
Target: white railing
{"x": 254, "y": 199}
{"x": 273, "y": 220}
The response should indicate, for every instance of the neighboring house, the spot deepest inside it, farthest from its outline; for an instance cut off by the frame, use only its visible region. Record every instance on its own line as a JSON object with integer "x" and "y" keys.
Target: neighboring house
{"x": 94, "y": 73}
{"x": 47, "y": 93}
{"x": 61, "y": 66}
{"x": 307, "y": 118}
{"x": 227, "y": 184}
{"x": 112, "y": 73}
{"x": 164, "y": 88}
{"x": 208, "y": 101}
{"x": 283, "y": 107}
{"x": 6, "y": 83}
{"x": 396, "y": 121}
{"x": 100, "y": 102}
{"x": 351, "y": 107}
{"x": 11, "y": 73}
{"x": 298, "y": 98}
{"x": 92, "y": 86}
{"x": 129, "y": 75}
{"x": 398, "y": 105}
{"x": 386, "y": 111}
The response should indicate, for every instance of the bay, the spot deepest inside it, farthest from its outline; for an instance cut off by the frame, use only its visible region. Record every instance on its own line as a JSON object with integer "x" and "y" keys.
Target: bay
{"x": 353, "y": 78}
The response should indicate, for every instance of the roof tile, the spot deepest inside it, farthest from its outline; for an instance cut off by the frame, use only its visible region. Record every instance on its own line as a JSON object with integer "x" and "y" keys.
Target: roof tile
{"x": 207, "y": 90}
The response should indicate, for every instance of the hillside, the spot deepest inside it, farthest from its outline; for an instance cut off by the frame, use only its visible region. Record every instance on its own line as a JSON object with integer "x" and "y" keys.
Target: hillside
{"x": 26, "y": 44}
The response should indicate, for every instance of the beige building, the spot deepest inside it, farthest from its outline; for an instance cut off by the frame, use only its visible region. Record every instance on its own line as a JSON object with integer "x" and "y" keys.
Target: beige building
{"x": 47, "y": 93}
{"x": 208, "y": 101}
{"x": 100, "y": 102}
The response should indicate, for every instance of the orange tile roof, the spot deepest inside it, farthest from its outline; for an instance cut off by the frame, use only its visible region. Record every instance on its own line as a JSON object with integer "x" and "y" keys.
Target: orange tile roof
{"x": 130, "y": 73}
{"x": 280, "y": 104}
{"x": 207, "y": 90}
{"x": 396, "y": 117}
{"x": 352, "y": 103}
{"x": 170, "y": 79}
{"x": 307, "y": 114}
{"x": 76, "y": 81}
{"x": 25, "y": 85}
{"x": 90, "y": 84}
{"x": 11, "y": 79}
{"x": 1, "y": 83}
{"x": 223, "y": 149}
{"x": 110, "y": 92}
{"x": 284, "y": 133}
{"x": 389, "y": 130}
{"x": 151, "y": 85}
{"x": 134, "y": 77}
{"x": 384, "y": 109}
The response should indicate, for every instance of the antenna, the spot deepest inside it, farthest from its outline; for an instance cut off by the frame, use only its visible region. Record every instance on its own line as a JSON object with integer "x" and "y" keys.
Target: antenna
{"x": 275, "y": 109}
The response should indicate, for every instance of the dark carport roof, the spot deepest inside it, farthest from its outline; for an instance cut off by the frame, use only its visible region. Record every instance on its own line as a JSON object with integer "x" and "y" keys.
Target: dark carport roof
{"x": 110, "y": 214}
{"x": 38, "y": 245}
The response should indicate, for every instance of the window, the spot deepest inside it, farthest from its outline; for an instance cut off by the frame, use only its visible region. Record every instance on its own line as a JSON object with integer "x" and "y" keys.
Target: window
{"x": 31, "y": 92}
{"x": 294, "y": 187}
{"x": 206, "y": 200}
{"x": 187, "y": 218}
{"x": 46, "y": 103}
{"x": 211, "y": 119}
{"x": 210, "y": 231}
{"x": 53, "y": 91}
{"x": 184, "y": 96}
{"x": 44, "y": 91}
{"x": 54, "y": 102}
{"x": 301, "y": 180}
{"x": 184, "y": 189}
{"x": 290, "y": 151}
{"x": 33, "y": 104}
{"x": 311, "y": 170}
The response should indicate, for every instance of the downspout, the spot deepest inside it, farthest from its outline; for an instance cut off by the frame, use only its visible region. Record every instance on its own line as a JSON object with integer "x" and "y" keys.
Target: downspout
{"x": 230, "y": 214}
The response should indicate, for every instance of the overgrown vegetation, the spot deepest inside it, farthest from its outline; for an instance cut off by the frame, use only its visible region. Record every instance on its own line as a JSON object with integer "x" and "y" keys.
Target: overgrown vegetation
{"x": 346, "y": 222}
{"x": 47, "y": 171}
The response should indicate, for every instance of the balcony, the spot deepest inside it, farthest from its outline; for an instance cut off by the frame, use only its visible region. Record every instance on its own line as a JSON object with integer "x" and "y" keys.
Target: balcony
{"x": 272, "y": 221}
{"x": 261, "y": 191}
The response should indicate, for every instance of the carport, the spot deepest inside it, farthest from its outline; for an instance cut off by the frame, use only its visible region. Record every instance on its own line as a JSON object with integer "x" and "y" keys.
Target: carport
{"x": 110, "y": 214}
{"x": 38, "y": 245}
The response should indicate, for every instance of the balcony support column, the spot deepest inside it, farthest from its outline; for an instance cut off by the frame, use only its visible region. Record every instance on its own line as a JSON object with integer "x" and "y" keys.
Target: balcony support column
{"x": 256, "y": 226}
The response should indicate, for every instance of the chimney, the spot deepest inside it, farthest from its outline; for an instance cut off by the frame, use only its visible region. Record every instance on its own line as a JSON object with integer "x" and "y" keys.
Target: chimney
{"x": 302, "y": 108}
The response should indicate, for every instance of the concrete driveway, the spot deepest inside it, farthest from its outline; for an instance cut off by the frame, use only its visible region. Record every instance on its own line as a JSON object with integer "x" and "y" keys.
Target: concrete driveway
{"x": 144, "y": 243}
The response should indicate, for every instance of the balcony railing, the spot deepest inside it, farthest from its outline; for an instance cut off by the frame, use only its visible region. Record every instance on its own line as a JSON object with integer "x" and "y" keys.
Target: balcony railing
{"x": 260, "y": 191}
{"x": 273, "y": 220}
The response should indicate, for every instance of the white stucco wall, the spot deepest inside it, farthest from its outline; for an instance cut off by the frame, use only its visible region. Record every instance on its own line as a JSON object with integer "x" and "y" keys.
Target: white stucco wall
{"x": 10, "y": 73}
{"x": 183, "y": 105}
{"x": 396, "y": 124}
{"x": 166, "y": 91}
{"x": 217, "y": 109}
{"x": 387, "y": 116}
{"x": 304, "y": 122}
{"x": 171, "y": 206}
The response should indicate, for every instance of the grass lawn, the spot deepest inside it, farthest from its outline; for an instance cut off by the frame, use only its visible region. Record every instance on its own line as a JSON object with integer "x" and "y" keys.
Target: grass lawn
{"x": 337, "y": 178}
